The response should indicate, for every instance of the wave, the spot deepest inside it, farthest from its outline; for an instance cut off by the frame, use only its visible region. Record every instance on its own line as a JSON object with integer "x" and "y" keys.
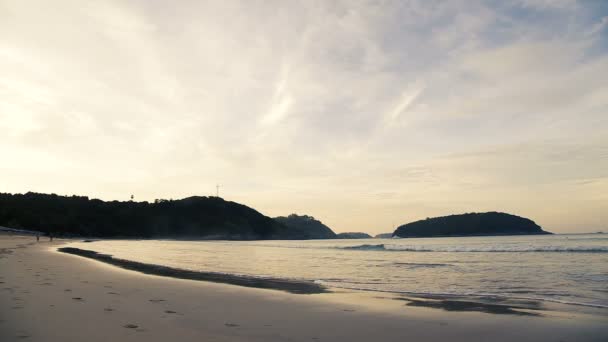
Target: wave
{"x": 366, "y": 247}
{"x": 477, "y": 249}
{"x": 419, "y": 265}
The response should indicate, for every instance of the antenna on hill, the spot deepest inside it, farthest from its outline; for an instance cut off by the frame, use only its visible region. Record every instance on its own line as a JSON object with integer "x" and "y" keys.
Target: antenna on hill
{"x": 217, "y": 190}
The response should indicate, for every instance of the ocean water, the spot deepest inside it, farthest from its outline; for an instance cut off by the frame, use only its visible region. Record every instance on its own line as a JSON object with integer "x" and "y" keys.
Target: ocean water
{"x": 570, "y": 269}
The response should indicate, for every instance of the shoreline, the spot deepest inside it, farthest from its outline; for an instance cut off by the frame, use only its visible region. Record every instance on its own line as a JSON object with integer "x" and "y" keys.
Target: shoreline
{"x": 291, "y": 286}
{"x": 51, "y": 296}
{"x": 494, "y": 304}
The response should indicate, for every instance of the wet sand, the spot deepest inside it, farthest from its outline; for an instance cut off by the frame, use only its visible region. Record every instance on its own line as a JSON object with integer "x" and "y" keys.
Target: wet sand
{"x": 46, "y": 295}
{"x": 292, "y": 286}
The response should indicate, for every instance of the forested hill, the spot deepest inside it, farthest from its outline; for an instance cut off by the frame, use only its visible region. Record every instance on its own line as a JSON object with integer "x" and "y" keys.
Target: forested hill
{"x": 472, "y": 224}
{"x": 306, "y": 227}
{"x": 193, "y": 217}
{"x": 353, "y": 235}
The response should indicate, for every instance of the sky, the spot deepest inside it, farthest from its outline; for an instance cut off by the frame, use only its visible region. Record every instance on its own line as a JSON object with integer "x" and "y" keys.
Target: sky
{"x": 364, "y": 114}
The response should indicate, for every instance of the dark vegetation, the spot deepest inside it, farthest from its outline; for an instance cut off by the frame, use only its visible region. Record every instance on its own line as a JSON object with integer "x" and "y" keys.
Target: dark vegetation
{"x": 351, "y": 235}
{"x": 384, "y": 236}
{"x": 306, "y": 227}
{"x": 193, "y": 217}
{"x": 215, "y": 218}
{"x": 472, "y": 224}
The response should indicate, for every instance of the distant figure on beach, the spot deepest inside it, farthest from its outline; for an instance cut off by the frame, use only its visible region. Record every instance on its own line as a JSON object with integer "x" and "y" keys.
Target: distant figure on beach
{"x": 37, "y": 237}
{"x": 50, "y": 237}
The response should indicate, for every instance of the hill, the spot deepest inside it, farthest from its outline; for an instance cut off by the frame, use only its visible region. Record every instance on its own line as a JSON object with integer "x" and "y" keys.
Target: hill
{"x": 193, "y": 217}
{"x": 352, "y": 235}
{"x": 472, "y": 224}
{"x": 305, "y": 227}
{"x": 384, "y": 236}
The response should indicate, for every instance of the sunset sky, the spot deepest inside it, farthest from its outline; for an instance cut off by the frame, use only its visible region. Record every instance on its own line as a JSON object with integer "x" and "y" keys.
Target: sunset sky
{"x": 364, "y": 114}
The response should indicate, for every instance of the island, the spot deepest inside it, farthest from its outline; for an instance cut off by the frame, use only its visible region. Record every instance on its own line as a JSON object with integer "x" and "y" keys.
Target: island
{"x": 383, "y": 236}
{"x": 471, "y": 224}
{"x": 353, "y": 235}
{"x": 306, "y": 227}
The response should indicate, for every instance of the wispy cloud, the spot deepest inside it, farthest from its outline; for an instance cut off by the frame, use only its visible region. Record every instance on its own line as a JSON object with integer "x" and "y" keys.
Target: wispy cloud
{"x": 408, "y": 96}
{"x": 281, "y": 102}
{"x": 361, "y": 113}
{"x": 598, "y": 27}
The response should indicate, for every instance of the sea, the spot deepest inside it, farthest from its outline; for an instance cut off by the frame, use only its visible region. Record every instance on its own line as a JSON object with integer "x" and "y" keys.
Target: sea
{"x": 568, "y": 269}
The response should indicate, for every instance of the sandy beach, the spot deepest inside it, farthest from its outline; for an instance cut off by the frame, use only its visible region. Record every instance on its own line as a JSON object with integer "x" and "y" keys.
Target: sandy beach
{"x": 46, "y": 295}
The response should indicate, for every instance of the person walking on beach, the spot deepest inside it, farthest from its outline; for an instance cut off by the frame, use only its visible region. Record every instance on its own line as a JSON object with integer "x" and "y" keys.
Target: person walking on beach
{"x": 37, "y": 237}
{"x": 50, "y": 237}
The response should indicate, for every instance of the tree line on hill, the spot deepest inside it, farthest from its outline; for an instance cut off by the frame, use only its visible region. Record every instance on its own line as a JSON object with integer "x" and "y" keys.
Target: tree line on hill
{"x": 214, "y": 218}
{"x": 193, "y": 217}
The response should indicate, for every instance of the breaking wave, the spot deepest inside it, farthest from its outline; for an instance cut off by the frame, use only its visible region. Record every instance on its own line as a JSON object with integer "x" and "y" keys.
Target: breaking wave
{"x": 478, "y": 249}
{"x": 366, "y": 247}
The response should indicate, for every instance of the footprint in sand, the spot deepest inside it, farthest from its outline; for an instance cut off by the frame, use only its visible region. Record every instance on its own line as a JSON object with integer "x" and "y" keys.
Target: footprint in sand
{"x": 79, "y": 299}
{"x": 67, "y": 290}
{"x": 157, "y": 300}
{"x": 22, "y": 336}
{"x": 108, "y": 309}
{"x": 17, "y": 307}
{"x": 170, "y": 312}
{"x": 349, "y": 310}
{"x": 130, "y": 326}
{"x": 231, "y": 325}
{"x": 113, "y": 293}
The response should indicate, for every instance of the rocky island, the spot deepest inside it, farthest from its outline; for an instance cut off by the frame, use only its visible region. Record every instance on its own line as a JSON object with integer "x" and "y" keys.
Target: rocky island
{"x": 306, "y": 227}
{"x": 383, "y": 236}
{"x": 471, "y": 224}
{"x": 353, "y": 235}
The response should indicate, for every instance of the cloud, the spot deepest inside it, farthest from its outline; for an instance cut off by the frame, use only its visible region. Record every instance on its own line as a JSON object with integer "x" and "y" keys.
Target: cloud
{"x": 598, "y": 27}
{"x": 548, "y": 4}
{"x": 408, "y": 96}
{"x": 318, "y": 107}
{"x": 281, "y": 102}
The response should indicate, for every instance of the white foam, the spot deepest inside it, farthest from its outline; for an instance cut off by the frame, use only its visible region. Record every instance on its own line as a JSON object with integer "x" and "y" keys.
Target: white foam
{"x": 477, "y": 249}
